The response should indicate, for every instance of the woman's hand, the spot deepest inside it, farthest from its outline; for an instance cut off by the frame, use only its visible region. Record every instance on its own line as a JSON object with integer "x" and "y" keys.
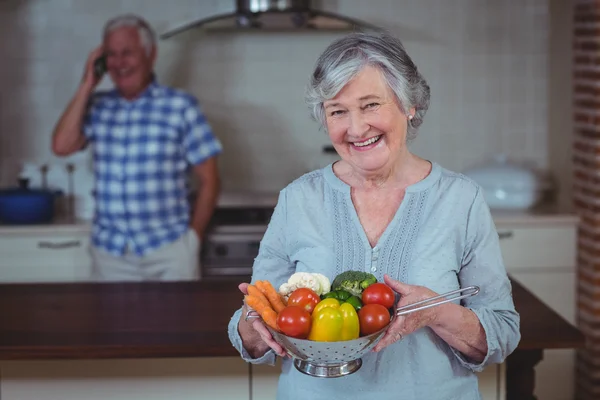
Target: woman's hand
{"x": 254, "y": 333}
{"x": 406, "y": 324}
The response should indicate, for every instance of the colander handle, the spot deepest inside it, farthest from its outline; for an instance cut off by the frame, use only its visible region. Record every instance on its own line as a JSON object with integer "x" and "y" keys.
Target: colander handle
{"x": 407, "y": 309}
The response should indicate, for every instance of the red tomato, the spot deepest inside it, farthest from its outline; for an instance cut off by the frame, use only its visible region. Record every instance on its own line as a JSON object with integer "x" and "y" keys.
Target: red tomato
{"x": 373, "y": 317}
{"x": 294, "y": 321}
{"x": 304, "y": 297}
{"x": 379, "y": 293}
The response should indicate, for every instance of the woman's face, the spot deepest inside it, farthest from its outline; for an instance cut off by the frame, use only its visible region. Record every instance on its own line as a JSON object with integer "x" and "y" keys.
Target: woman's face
{"x": 365, "y": 123}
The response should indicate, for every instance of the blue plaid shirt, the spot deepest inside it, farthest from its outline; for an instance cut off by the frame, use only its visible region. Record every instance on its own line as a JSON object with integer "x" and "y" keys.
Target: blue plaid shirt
{"x": 142, "y": 151}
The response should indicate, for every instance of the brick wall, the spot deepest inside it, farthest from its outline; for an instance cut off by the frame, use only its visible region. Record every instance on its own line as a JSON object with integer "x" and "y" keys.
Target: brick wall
{"x": 586, "y": 160}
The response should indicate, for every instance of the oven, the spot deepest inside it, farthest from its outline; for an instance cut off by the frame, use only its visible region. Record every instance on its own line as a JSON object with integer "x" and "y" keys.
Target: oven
{"x": 232, "y": 240}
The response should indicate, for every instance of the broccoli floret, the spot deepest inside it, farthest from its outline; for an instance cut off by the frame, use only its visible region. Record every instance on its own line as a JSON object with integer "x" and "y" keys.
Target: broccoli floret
{"x": 353, "y": 281}
{"x": 368, "y": 281}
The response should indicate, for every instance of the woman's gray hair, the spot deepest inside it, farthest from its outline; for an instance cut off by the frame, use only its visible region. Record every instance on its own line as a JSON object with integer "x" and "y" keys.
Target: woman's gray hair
{"x": 343, "y": 59}
{"x": 147, "y": 35}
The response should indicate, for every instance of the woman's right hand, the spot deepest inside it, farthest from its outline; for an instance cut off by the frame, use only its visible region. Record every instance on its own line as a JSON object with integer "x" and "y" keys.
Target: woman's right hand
{"x": 90, "y": 80}
{"x": 256, "y": 330}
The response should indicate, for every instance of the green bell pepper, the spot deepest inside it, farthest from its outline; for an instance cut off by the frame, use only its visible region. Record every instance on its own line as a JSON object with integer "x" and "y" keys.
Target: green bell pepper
{"x": 344, "y": 297}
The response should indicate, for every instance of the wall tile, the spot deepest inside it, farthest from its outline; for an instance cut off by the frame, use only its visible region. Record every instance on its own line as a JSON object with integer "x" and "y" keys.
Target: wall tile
{"x": 485, "y": 60}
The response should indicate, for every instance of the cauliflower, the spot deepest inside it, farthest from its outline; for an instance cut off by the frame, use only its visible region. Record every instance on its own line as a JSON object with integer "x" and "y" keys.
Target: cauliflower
{"x": 325, "y": 285}
{"x": 314, "y": 281}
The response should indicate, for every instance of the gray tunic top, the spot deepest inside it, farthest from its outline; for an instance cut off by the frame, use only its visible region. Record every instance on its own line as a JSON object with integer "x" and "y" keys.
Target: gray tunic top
{"x": 442, "y": 237}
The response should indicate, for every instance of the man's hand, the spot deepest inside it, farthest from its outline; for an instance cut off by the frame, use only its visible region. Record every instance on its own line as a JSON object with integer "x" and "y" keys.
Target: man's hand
{"x": 90, "y": 80}
{"x": 208, "y": 192}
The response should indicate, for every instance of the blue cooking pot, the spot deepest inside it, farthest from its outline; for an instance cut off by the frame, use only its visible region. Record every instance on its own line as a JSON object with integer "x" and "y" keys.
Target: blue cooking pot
{"x": 27, "y": 206}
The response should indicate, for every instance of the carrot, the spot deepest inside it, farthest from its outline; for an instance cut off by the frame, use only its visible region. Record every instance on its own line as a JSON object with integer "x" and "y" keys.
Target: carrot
{"x": 271, "y": 294}
{"x": 283, "y": 300}
{"x": 264, "y": 310}
{"x": 256, "y": 292}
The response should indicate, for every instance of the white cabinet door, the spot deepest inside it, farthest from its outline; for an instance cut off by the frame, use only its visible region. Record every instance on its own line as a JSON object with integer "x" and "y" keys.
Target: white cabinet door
{"x": 542, "y": 257}
{"x": 264, "y": 381}
{"x": 223, "y": 378}
{"x": 44, "y": 257}
{"x": 538, "y": 248}
{"x": 555, "y": 374}
{"x": 265, "y": 377}
{"x": 492, "y": 382}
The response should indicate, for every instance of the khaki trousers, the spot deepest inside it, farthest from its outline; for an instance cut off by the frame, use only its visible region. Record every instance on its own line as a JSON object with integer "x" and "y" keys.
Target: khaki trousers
{"x": 176, "y": 261}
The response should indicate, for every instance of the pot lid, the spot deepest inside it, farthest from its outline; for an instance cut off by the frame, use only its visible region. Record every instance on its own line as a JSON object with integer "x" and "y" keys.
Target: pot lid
{"x": 501, "y": 173}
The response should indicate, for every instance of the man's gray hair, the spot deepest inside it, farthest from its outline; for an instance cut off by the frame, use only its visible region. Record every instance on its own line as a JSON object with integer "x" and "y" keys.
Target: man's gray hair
{"x": 147, "y": 35}
{"x": 343, "y": 59}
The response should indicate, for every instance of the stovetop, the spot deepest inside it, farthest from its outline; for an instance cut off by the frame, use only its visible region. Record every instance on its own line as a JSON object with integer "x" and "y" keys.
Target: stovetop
{"x": 241, "y": 216}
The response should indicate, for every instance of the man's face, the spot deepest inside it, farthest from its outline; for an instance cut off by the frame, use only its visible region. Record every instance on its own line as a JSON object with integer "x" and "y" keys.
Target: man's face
{"x": 128, "y": 63}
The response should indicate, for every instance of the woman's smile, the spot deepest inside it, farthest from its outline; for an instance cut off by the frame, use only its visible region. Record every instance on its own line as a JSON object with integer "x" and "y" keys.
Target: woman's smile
{"x": 367, "y": 144}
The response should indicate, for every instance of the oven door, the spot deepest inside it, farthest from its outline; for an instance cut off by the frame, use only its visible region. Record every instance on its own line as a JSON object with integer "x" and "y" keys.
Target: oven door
{"x": 230, "y": 253}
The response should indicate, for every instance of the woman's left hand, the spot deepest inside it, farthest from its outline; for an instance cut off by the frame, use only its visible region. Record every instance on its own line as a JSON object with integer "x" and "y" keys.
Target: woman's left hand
{"x": 406, "y": 324}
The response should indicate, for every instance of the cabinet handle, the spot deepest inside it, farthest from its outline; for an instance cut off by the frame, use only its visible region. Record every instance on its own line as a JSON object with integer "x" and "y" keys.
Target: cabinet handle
{"x": 63, "y": 245}
{"x": 505, "y": 235}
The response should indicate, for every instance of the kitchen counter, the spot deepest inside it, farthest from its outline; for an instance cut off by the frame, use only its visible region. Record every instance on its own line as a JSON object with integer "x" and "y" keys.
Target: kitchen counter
{"x": 501, "y": 218}
{"x": 60, "y": 225}
{"x": 189, "y": 319}
{"x": 182, "y": 319}
{"x": 67, "y": 225}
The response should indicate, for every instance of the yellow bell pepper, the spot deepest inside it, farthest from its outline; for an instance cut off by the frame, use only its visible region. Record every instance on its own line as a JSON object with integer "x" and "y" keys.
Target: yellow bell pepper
{"x": 351, "y": 329}
{"x": 333, "y": 322}
{"x": 334, "y": 303}
{"x": 327, "y": 325}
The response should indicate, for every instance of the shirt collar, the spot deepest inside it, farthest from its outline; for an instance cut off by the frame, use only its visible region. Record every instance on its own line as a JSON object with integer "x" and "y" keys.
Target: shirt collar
{"x": 154, "y": 89}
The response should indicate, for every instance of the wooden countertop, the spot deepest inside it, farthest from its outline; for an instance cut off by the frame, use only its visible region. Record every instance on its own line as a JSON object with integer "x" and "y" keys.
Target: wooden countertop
{"x": 183, "y": 319}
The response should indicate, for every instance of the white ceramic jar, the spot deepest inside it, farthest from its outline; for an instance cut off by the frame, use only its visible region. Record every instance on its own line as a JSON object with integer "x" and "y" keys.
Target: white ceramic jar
{"x": 509, "y": 185}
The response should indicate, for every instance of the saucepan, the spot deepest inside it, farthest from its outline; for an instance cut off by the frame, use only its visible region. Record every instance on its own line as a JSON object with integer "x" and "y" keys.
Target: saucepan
{"x": 22, "y": 205}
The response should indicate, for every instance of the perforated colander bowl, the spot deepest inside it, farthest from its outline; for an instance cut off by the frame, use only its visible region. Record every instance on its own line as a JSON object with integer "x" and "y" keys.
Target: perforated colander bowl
{"x": 327, "y": 352}
{"x": 327, "y": 359}
{"x": 334, "y": 359}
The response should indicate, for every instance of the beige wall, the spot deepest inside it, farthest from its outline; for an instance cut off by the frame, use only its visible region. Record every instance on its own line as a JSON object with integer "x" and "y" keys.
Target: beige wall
{"x": 493, "y": 89}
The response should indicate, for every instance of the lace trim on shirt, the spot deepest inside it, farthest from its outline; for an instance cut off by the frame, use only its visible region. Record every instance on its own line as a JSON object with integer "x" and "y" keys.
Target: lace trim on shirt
{"x": 403, "y": 241}
{"x": 347, "y": 242}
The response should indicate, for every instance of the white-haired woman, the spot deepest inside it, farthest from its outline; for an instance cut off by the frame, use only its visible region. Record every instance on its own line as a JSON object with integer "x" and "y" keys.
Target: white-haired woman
{"x": 420, "y": 227}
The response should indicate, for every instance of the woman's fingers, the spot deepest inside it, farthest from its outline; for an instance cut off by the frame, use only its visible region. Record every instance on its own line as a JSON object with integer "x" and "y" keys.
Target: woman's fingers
{"x": 258, "y": 325}
{"x": 393, "y": 334}
{"x": 398, "y": 287}
{"x": 243, "y": 287}
{"x": 268, "y": 339}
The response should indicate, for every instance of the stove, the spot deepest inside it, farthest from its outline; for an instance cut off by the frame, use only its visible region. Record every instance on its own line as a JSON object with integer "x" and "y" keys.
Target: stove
{"x": 232, "y": 240}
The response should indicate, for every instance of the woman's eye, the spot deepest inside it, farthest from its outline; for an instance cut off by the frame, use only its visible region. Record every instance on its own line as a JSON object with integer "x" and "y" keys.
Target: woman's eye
{"x": 336, "y": 112}
{"x": 371, "y": 105}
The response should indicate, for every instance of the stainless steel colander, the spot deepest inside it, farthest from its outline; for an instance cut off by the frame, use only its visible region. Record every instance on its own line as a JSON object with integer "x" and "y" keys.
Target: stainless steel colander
{"x": 335, "y": 359}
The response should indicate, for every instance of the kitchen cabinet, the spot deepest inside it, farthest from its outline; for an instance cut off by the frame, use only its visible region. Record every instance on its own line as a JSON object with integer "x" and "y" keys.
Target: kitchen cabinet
{"x": 223, "y": 378}
{"x": 264, "y": 382}
{"x": 44, "y": 254}
{"x": 540, "y": 253}
{"x": 492, "y": 382}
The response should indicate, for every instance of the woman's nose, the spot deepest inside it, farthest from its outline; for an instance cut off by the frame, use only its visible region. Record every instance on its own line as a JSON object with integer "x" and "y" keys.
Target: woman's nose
{"x": 358, "y": 124}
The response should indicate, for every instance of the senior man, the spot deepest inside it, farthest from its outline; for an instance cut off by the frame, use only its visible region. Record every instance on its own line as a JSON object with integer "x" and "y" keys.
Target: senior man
{"x": 145, "y": 138}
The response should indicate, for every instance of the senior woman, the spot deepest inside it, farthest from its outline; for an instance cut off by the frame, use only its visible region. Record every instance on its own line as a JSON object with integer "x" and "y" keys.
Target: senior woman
{"x": 420, "y": 227}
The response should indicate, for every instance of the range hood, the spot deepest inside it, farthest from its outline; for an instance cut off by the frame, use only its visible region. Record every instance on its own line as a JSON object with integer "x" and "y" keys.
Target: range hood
{"x": 273, "y": 15}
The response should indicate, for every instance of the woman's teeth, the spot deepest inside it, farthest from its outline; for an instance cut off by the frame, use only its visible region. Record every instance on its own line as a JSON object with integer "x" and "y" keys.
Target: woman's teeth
{"x": 367, "y": 142}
